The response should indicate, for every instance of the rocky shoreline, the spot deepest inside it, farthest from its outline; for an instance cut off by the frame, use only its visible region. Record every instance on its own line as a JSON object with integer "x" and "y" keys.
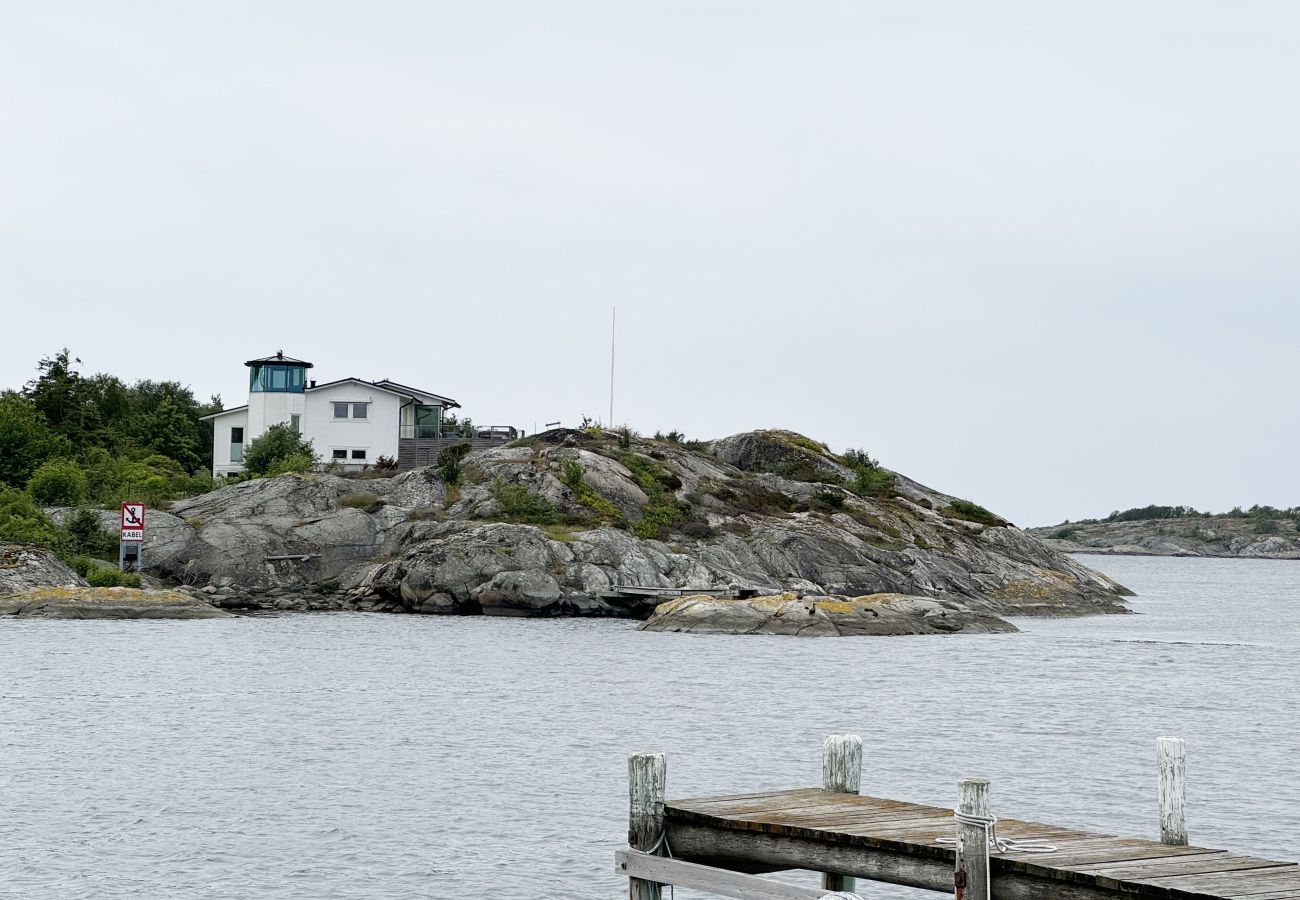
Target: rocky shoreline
{"x": 554, "y": 525}
{"x": 1221, "y": 537}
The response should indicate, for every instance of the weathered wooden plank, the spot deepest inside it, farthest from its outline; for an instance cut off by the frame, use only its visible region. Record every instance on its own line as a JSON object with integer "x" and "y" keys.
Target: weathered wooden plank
{"x": 1171, "y": 764}
{"x": 1281, "y": 877}
{"x": 647, "y": 777}
{"x": 841, "y": 774}
{"x": 1219, "y": 861}
{"x": 723, "y": 882}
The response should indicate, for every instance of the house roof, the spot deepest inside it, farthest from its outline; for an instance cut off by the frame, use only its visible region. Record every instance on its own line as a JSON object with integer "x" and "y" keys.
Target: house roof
{"x": 217, "y": 415}
{"x": 446, "y": 401}
{"x": 390, "y": 387}
{"x": 279, "y": 359}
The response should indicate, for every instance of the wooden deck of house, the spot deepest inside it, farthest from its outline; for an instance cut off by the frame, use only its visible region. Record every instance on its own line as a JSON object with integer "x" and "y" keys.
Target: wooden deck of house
{"x": 719, "y": 843}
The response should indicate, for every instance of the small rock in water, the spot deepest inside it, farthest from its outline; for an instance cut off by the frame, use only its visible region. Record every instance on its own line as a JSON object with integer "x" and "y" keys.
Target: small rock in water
{"x": 875, "y": 614}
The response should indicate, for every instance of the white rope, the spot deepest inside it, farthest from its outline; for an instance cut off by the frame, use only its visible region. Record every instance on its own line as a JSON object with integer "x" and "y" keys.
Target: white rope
{"x": 997, "y": 844}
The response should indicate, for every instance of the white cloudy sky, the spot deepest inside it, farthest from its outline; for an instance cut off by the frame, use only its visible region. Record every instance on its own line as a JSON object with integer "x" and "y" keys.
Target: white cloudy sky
{"x": 1040, "y": 255}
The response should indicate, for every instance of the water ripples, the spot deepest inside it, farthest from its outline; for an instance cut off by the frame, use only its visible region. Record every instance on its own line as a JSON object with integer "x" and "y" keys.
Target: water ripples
{"x": 322, "y": 756}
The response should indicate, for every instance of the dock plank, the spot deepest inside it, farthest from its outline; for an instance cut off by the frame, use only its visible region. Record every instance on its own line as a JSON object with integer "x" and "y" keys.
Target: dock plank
{"x": 900, "y": 842}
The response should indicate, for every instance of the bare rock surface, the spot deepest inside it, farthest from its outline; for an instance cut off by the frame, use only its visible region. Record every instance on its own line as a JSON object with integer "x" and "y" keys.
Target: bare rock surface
{"x": 105, "y": 603}
{"x": 557, "y": 523}
{"x": 23, "y": 567}
{"x": 791, "y": 614}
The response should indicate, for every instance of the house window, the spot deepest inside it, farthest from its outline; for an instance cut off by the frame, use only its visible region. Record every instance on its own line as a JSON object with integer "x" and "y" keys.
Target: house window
{"x": 340, "y": 454}
{"x": 295, "y": 420}
{"x": 358, "y": 454}
{"x": 341, "y": 410}
{"x": 277, "y": 379}
{"x": 236, "y": 445}
{"x": 360, "y": 410}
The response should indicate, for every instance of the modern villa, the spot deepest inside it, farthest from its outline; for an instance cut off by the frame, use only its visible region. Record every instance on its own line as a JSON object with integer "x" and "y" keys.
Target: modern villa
{"x": 350, "y": 421}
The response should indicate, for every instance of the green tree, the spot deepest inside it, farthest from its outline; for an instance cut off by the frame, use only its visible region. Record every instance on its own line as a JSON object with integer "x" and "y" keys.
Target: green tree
{"x": 63, "y": 397}
{"x": 26, "y": 440}
{"x": 170, "y": 431}
{"x": 59, "y": 482}
{"x": 278, "y": 450}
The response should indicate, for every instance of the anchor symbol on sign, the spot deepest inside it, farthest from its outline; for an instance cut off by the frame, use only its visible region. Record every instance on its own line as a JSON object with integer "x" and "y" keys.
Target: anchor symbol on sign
{"x": 130, "y": 516}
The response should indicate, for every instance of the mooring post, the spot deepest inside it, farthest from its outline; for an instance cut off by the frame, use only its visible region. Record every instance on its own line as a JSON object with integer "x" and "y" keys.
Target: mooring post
{"x": 971, "y": 879}
{"x": 841, "y": 774}
{"x": 1171, "y": 760}
{"x": 647, "y": 778}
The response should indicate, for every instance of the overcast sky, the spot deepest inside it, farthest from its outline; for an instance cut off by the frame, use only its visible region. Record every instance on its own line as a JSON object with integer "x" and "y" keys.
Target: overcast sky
{"x": 1043, "y": 256}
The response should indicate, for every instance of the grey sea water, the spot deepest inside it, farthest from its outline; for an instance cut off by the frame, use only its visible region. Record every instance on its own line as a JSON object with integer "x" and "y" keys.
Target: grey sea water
{"x": 374, "y": 756}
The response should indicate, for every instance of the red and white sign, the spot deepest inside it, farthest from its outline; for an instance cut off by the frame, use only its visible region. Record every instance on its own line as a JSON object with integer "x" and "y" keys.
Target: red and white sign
{"x": 133, "y": 521}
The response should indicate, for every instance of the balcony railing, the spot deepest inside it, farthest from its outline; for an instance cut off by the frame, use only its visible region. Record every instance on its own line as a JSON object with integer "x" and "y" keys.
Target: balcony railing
{"x": 500, "y": 433}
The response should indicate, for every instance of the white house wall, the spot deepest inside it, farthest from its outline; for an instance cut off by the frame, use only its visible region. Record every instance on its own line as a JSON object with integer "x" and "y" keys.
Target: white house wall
{"x": 221, "y": 426}
{"x": 377, "y": 434}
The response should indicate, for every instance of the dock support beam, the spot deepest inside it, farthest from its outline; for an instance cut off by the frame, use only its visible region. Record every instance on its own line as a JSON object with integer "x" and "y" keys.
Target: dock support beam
{"x": 841, "y": 774}
{"x": 647, "y": 779}
{"x": 971, "y": 880}
{"x": 1171, "y": 760}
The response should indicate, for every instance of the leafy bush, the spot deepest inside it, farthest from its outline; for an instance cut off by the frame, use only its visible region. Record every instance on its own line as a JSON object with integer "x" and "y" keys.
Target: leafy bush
{"x": 1064, "y": 534}
{"x": 59, "y": 482}
{"x": 518, "y": 504}
{"x": 1266, "y": 526}
{"x": 449, "y": 461}
{"x": 973, "y": 512}
{"x": 385, "y": 463}
{"x": 105, "y": 576}
{"x": 22, "y": 522}
{"x": 869, "y": 480}
{"x": 88, "y": 537}
{"x": 278, "y": 450}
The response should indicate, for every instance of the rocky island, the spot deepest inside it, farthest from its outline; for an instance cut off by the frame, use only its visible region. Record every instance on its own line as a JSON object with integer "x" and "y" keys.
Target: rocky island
{"x": 1262, "y": 532}
{"x": 558, "y": 523}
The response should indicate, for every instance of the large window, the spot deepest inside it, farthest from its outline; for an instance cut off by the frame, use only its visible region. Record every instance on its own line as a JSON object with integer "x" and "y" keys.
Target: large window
{"x": 428, "y": 421}
{"x": 277, "y": 379}
{"x": 236, "y": 445}
{"x": 351, "y": 410}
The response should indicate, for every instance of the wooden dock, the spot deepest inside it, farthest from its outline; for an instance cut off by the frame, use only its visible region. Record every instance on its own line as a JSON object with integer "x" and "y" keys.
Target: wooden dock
{"x": 718, "y": 843}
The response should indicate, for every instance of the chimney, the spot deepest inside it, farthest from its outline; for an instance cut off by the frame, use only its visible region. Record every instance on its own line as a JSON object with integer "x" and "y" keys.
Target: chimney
{"x": 313, "y": 382}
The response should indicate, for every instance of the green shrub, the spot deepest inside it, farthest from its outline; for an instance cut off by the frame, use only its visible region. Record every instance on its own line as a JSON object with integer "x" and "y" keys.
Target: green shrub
{"x": 518, "y": 504}
{"x": 831, "y": 499}
{"x": 363, "y": 501}
{"x": 423, "y": 513}
{"x": 59, "y": 482}
{"x": 278, "y": 448}
{"x": 449, "y": 461}
{"x": 87, "y": 536}
{"x": 1265, "y": 526}
{"x": 1064, "y": 534}
{"x": 23, "y": 522}
{"x": 972, "y": 512}
{"x": 107, "y": 576}
{"x": 571, "y": 473}
{"x": 295, "y": 463}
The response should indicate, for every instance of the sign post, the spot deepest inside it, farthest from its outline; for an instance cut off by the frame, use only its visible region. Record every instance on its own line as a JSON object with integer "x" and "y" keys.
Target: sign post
{"x": 129, "y": 553}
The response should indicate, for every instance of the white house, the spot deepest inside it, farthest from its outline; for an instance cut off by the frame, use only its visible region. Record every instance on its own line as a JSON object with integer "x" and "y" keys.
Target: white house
{"x": 349, "y": 421}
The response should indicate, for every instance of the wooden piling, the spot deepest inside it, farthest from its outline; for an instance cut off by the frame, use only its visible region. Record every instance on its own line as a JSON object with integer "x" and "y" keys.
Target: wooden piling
{"x": 841, "y": 774}
{"x": 1171, "y": 761}
{"x": 647, "y": 778}
{"x": 971, "y": 880}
